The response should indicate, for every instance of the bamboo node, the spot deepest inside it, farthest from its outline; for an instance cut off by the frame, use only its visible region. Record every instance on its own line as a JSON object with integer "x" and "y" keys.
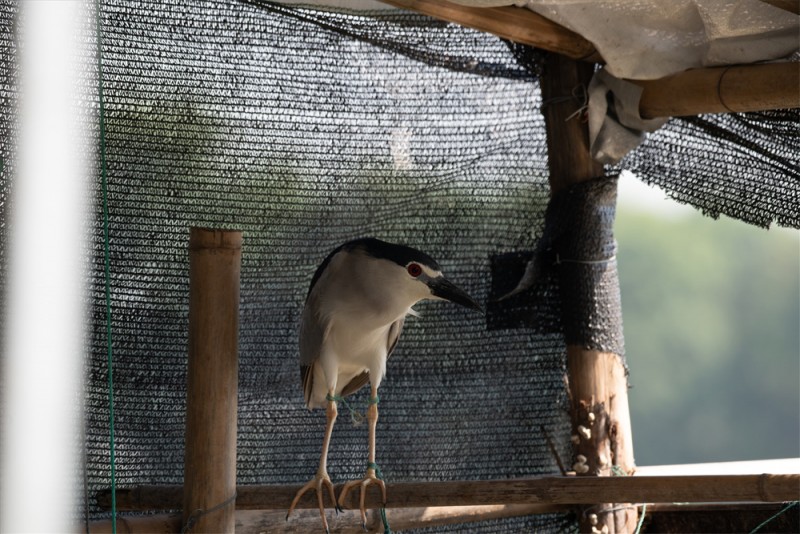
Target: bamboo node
{"x": 719, "y": 89}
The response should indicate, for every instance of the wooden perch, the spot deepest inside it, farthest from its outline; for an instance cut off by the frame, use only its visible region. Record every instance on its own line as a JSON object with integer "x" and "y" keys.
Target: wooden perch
{"x": 721, "y": 90}
{"x": 538, "y": 490}
{"x": 516, "y": 24}
{"x": 739, "y": 517}
{"x": 275, "y": 522}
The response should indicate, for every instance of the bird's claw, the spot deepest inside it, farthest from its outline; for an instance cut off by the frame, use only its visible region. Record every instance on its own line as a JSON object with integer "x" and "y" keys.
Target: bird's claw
{"x": 363, "y": 484}
{"x": 316, "y": 483}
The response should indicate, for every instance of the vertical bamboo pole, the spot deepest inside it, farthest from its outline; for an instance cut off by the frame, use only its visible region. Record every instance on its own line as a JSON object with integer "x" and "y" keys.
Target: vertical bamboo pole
{"x": 597, "y": 380}
{"x": 210, "y": 460}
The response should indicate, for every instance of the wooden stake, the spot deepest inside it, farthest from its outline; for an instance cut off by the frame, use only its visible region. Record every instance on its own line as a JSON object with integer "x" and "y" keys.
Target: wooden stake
{"x": 597, "y": 380}
{"x": 568, "y": 490}
{"x": 563, "y": 93}
{"x": 210, "y": 460}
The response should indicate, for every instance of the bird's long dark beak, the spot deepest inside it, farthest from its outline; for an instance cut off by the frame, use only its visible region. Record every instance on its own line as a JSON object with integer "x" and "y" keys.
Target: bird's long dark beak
{"x": 443, "y": 288}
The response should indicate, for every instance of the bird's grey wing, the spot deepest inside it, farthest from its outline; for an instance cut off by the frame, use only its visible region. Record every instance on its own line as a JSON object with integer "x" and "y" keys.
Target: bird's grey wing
{"x": 391, "y": 342}
{"x": 394, "y": 335}
{"x": 312, "y": 333}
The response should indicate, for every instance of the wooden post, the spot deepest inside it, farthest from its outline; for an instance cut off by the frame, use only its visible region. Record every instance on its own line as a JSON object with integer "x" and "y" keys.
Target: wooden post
{"x": 597, "y": 380}
{"x": 210, "y": 461}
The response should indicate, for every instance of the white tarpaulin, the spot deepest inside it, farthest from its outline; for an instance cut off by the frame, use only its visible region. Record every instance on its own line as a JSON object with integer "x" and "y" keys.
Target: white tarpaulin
{"x": 649, "y": 39}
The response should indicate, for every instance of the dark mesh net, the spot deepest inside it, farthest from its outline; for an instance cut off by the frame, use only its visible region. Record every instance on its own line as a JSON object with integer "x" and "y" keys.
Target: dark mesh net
{"x": 305, "y": 129}
{"x": 743, "y": 165}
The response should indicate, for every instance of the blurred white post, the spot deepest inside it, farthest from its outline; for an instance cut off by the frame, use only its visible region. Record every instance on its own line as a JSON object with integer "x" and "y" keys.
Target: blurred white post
{"x": 44, "y": 316}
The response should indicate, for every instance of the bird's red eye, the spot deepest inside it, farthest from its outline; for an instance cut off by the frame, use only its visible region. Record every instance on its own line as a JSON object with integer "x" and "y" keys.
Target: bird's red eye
{"x": 414, "y": 270}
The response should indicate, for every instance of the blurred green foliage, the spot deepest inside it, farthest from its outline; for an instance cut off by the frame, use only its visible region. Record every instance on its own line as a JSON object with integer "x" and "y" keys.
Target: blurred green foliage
{"x": 712, "y": 332}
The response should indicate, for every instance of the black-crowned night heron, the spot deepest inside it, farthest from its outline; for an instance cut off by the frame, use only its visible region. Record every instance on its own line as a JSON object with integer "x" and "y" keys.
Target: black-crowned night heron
{"x": 353, "y": 316}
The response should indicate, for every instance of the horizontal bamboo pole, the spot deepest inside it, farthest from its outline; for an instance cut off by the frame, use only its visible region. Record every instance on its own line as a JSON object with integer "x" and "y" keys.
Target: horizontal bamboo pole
{"x": 539, "y": 490}
{"x": 274, "y": 521}
{"x": 513, "y": 23}
{"x": 721, "y": 90}
{"x": 257, "y": 521}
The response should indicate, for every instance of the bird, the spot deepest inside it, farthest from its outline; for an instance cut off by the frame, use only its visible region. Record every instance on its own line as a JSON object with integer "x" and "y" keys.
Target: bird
{"x": 353, "y": 316}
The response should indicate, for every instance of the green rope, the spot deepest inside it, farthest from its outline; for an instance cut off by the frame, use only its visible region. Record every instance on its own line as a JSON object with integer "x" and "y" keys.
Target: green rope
{"x": 617, "y": 471}
{"x": 104, "y": 180}
{"x": 781, "y": 512}
{"x": 355, "y": 416}
{"x": 379, "y": 474}
{"x": 357, "y": 419}
{"x": 641, "y": 519}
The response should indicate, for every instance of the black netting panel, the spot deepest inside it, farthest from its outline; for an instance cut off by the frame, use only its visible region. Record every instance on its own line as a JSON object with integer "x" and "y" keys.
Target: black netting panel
{"x": 576, "y": 257}
{"x": 743, "y": 165}
{"x": 305, "y": 129}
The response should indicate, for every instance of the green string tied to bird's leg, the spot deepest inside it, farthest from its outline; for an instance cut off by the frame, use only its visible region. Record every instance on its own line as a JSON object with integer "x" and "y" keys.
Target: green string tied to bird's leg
{"x": 355, "y": 416}
{"x": 379, "y": 476}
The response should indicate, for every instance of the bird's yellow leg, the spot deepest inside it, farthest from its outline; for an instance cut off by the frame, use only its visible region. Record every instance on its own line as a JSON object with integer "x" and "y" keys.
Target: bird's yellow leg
{"x": 370, "y": 477}
{"x": 321, "y": 477}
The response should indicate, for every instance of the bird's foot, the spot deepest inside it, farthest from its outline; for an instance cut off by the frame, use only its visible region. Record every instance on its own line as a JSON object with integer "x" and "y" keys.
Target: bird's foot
{"x": 316, "y": 483}
{"x": 363, "y": 484}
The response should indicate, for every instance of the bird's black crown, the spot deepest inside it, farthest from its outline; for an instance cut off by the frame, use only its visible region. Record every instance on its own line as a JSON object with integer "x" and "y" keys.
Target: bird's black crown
{"x": 400, "y": 254}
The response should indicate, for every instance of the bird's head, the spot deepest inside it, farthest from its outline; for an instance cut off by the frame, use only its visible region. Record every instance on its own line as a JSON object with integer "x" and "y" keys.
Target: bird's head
{"x": 411, "y": 274}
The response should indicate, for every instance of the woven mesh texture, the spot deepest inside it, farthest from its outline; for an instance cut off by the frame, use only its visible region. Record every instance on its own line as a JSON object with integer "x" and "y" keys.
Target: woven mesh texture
{"x": 301, "y": 130}
{"x": 305, "y": 129}
{"x": 743, "y": 165}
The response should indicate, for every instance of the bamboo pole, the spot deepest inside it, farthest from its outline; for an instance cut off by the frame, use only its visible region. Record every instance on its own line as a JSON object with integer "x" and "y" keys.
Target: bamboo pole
{"x": 721, "y": 90}
{"x": 567, "y": 134}
{"x": 274, "y": 522}
{"x": 515, "y": 24}
{"x": 210, "y": 459}
{"x": 569, "y": 490}
{"x": 597, "y": 380}
{"x": 689, "y": 516}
